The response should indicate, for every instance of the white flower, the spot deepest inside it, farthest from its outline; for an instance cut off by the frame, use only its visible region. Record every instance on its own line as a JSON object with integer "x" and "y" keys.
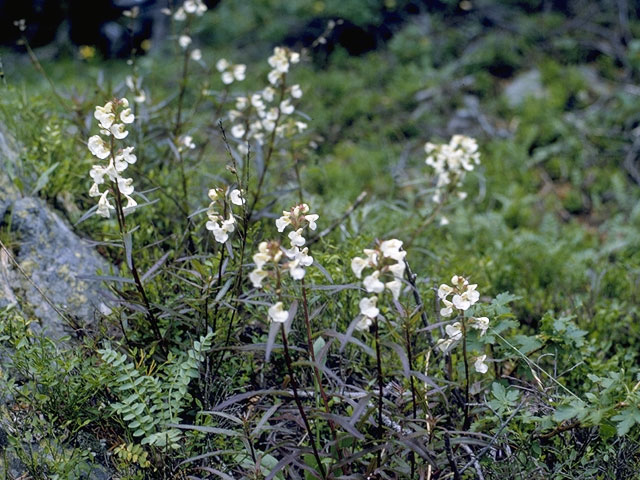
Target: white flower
{"x": 97, "y": 173}
{"x": 238, "y": 130}
{"x": 277, "y": 313}
{"x": 358, "y": 264}
{"x": 286, "y": 107}
{"x": 222, "y": 65}
{"x": 364, "y": 323}
{"x": 461, "y": 302}
{"x": 126, "y": 116}
{"x": 194, "y": 6}
{"x": 480, "y": 323}
{"x": 296, "y": 91}
{"x": 447, "y": 310}
{"x": 131, "y": 203}
{"x": 304, "y": 258}
{"x": 372, "y": 284}
{"x": 394, "y": 287}
{"x": 312, "y": 218}
{"x": 184, "y": 41}
{"x": 274, "y": 77}
{"x": 94, "y": 191}
{"x": 236, "y": 197}
{"x": 391, "y": 249}
{"x": 282, "y": 222}
{"x": 227, "y": 78}
{"x": 221, "y": 229}
{"x": 256, "y": 101}
{"x": 124, "y": 158}
{"x": 196, "y": 54}
{"x": 125, "y": 185}
{"x": 239, "y": 72}
{"x": 187, "y": 141}
{"x": 104, "y": 206}
{"x": 190, "y": 6}
{"x": 98, "y": 147}
{"x": 444, "y": 344}
{"x": 257, "y": 276}
{"x": 397, "y": 269}
{"x": 444, "y": 291}
{"x": 269, "y": 93}
{"x": 105, "y": 115}
{"x": 296, "y": 238}
{"x": 180, "y": 15}
{"x": 454, "y": 331}
{"x": 479, "y": 364}
{"x": 368, "y": 307}
{"x": 301, "y": 126}
{"x": 295, "y": 269}
{"x": 118, "y": 131}
{"x": 279, "y": 60}
{"x": 213, "y": 194}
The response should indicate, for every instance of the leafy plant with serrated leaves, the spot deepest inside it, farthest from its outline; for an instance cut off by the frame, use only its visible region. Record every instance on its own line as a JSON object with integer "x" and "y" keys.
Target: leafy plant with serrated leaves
{"x": 150, "y": 401}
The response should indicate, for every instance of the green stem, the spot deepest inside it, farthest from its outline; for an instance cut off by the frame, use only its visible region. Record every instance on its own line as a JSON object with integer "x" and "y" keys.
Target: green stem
{"x": 296, "y": 397}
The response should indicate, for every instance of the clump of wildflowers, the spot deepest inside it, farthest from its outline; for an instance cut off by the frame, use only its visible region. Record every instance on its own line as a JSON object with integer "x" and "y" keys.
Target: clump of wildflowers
{"x": 261, "y": 114}
{"x": 221, "y": 224}
{"x": 463, "y": 296}
{"x": 386, "y": 262}
{"x": 112, "y": 118}
{"x": 273, "y": 261}
{"x": 451, "y": 161}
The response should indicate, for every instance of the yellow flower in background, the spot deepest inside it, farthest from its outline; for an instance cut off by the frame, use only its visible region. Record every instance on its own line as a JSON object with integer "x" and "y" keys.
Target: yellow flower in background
{"x": 87, "y": 52}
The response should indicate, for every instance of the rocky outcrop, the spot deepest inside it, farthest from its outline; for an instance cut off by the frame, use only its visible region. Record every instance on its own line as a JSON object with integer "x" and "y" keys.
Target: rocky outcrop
{"x": 52, "y": 260}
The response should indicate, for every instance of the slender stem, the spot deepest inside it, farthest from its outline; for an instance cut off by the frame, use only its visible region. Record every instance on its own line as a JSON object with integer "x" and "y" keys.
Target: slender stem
{"x": 466, "y": 376}
{"x": 380, "y": 387}
{"x": 303, "y": 415}
{"x": 425, "y": 223}
{"x": 122, "y": 223}
{"x": 267, "y": 158}
{"x": 183, "y": 87}
{"x": 412, "y": 457}
{"x": 318, "y": 375}
{"x": 215, "y": 309}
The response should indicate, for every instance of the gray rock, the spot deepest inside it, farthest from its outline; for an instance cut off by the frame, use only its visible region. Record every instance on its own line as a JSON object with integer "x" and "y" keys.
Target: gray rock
{"x": 8, "y": 152}
{"x": 51, "y": 255}
{"x": 524, "y": 86}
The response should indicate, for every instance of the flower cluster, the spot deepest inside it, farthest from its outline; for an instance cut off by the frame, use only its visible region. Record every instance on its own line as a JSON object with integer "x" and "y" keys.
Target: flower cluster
{"x": 217, "y": 223}
{"x": 260, "y": 114}
{"x": 297, "y": 258}
{"x": 463, "y": 296}
{"x": 189, "y": 7}
{"x": 297, "y": 218}
{"x": 230, "y": 72}
{"x": 112, "y": 118}
{"x": 279, "y": 62}
{"x": 451, "y": 161}
{"x": 387, "y": 263}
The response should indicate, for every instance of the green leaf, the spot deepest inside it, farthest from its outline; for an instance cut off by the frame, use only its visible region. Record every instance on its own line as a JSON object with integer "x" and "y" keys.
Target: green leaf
{"x": 44, "y": 178}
